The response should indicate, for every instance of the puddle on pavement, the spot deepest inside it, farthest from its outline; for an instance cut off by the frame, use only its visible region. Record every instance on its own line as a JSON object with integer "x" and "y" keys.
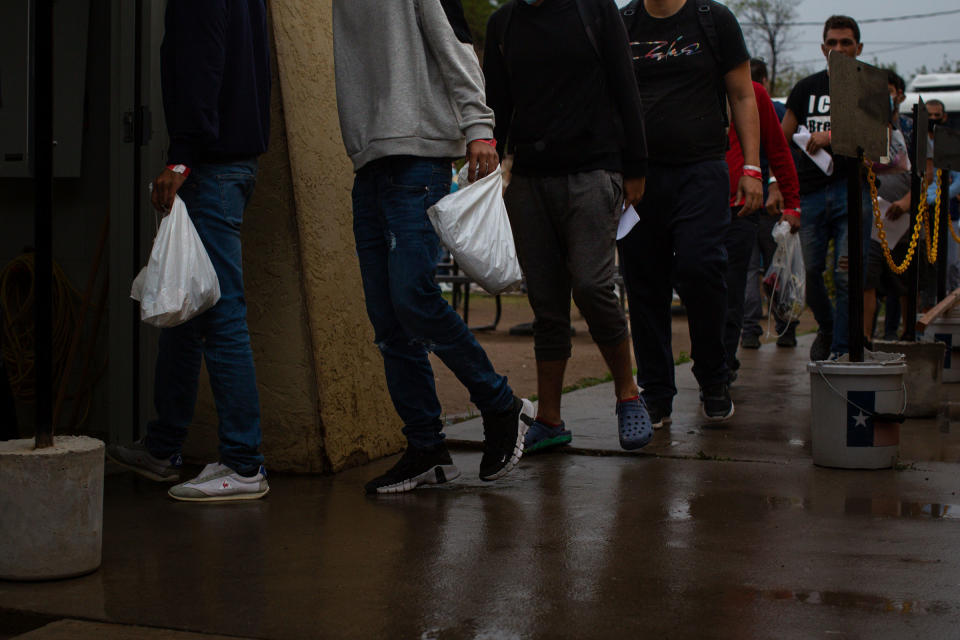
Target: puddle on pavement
{"x": 711, "y": 506}
{"x": 850, "y": 600}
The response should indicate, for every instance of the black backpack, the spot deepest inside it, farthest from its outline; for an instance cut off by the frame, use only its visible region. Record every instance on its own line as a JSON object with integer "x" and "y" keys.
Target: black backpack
{"x": 588, "y": 15}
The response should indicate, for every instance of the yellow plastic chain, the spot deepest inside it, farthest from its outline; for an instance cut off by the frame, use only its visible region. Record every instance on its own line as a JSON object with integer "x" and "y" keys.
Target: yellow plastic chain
{"x": 932, "y": 244}
{"x": 878, "y": 222}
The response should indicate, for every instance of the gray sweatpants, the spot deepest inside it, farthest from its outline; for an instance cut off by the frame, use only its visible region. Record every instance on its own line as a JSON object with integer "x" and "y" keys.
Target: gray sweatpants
{"x": 565, "y": 229}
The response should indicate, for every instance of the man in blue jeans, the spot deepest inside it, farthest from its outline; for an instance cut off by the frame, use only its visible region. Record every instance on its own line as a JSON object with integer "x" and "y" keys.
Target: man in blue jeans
{"x": 217, "y": 114}
{"x": 823, "y": 198}
{"x": 404, "y": 115}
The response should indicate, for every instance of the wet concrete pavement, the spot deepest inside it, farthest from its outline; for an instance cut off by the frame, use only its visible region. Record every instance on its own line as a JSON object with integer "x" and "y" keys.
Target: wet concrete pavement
{"x": 747, "y": 540}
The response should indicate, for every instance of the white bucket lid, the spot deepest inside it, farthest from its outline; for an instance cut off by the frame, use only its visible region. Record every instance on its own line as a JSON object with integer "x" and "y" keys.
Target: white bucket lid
{"x": 879, "y": 363}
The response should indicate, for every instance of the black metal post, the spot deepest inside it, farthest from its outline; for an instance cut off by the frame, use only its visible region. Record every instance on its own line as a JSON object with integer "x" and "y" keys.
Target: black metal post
{"x": 913, "y": 271}
{"x": 138, "y": 136}
{"x": 943, "y": 237}
{"x": 43, "y": 219}
{"x": 855, "y": 256}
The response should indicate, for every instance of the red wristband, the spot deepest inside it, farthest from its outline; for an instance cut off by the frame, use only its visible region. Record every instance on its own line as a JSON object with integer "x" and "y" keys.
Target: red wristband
{"x": 752, "y": 173}
{"x": 182, "y": 169}
{"x": 492, "y": 142}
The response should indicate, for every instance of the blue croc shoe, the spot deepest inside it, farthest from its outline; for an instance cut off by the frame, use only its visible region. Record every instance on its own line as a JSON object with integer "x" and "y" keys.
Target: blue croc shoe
{"x": 540, "y": 436}
{"x": 634, "y": 424}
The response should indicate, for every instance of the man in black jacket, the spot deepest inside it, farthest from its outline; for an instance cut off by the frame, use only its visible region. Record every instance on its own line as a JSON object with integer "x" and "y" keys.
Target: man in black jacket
{"x": 560, "y": 81}
{"x": 215, "y": 76}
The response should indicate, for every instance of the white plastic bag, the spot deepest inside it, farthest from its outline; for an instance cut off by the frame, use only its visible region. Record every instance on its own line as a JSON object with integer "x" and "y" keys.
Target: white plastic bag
{"x": 786, "y": 280}
{"x": 179, "y": 281}
{"x": 472, "y": 223}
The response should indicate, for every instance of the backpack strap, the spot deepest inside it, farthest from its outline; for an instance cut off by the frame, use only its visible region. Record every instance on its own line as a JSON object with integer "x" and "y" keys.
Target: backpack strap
{"x": 705, "y": 17}
{"x": 629, "y": 14}
{"x": 507, "y": 15}
{"x": 591, "y": 22}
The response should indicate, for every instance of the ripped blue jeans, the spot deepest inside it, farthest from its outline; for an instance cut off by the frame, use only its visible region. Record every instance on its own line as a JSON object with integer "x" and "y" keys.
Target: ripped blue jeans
{"x": 398, "y": 252}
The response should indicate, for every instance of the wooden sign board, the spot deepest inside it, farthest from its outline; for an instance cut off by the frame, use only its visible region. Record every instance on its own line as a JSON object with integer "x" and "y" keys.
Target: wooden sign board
{"x": 859, "y": 108}
{"x": 946, "y": 148}
{"x": 920, "y": 133}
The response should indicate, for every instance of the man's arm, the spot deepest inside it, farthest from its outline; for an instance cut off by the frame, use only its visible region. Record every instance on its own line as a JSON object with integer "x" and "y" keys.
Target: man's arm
{"x": 497, "y": 78}
{"x": 743, "y": 104}
{"x": 193, "y": 61}
{"x": 464, "y": 82}
{"x": 778, "y": 154}
{"x": 789, "y": 124}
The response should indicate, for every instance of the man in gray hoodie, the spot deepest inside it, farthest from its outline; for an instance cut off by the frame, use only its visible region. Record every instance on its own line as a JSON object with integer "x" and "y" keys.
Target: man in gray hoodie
{"x": 411, "y": 99}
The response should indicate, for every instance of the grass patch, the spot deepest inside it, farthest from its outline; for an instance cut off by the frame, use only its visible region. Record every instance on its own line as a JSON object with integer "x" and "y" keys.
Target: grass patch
{"x": 683, "y": 358}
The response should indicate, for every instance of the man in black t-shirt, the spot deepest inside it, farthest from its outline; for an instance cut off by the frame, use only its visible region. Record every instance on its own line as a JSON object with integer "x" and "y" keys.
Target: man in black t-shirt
{"x": 560, "y": 82}
{"x": 689, "y": 58}
{"x": 823, "y": 197}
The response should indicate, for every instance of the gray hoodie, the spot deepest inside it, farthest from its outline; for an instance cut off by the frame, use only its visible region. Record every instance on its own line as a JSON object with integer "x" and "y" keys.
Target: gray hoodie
{"x": 406, "y": 84}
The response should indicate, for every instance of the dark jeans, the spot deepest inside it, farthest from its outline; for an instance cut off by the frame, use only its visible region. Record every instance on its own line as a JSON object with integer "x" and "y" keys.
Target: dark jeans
{"x": 740, "y": 240}
{"x": 398, "y": 252}
{"x": 215, "y": 195}
{"x": 565, "y": 229}
{"x": 678, "y": 243}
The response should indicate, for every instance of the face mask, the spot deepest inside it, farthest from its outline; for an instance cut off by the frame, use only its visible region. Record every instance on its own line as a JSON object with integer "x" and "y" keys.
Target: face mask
{"x": 530, "y": 1}
{"x": 931, "y": 123}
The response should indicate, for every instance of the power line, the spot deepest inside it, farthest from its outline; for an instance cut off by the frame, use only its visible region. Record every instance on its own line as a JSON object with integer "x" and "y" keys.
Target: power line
{"x": 885, "y": 50}
{"x": 914, "y": 16}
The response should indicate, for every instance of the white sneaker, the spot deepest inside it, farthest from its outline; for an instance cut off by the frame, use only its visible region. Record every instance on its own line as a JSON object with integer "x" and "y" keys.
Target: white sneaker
{"x": 219, "y": 482}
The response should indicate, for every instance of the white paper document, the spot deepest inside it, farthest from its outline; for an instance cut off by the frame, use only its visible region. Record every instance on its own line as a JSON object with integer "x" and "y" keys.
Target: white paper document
{"x": 628, "y": 219}
{"x": 894, "y": 229}
{"x": 821, "y": 158}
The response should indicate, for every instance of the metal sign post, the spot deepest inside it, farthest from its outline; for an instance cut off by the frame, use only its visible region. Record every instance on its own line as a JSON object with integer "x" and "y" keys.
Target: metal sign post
{"x": 859, "y": 124}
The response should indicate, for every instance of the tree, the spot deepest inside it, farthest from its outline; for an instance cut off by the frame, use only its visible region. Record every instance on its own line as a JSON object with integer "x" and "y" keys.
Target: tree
{"x": 477, "y": 13}
{"x": 766, "y": 27}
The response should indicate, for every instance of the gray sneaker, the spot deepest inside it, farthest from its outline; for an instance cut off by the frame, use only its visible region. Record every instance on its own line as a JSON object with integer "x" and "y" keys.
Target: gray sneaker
{"x": 134, "y": 456}
{"x": 219, "y": 482}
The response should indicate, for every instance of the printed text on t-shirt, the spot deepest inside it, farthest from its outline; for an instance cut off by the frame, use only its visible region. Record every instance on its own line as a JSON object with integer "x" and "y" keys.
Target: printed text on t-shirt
{"x": 659, "y": 50}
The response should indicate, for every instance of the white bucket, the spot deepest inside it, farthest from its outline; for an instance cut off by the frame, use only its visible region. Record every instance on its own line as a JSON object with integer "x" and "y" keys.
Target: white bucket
{"x": 853, "y": 405}
{"x": 946, "y": 329}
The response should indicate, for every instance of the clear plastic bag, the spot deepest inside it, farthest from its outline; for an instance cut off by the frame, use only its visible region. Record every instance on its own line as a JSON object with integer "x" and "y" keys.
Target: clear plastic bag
{"x": 472, "y": 223}
{"x": 785, "y": 282}
{"x": 179, "y": 281}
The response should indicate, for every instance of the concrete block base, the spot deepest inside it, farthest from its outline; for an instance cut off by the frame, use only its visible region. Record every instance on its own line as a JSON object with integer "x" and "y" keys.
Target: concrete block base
{"x": 51, "y": 508}
{"x": 924, "y": 374}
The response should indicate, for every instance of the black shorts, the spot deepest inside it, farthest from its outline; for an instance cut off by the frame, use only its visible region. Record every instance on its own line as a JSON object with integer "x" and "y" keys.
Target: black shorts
{"x": 879, "y": 275}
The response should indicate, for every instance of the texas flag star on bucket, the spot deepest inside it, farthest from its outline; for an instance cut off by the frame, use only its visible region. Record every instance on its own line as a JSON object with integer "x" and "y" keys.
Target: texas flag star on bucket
{"x": 864, "y": 427}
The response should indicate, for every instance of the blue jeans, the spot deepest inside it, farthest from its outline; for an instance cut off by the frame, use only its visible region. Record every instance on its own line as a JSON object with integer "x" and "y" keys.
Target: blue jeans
{"x": 215, "y": 195}
{"x": 398, "y": 252}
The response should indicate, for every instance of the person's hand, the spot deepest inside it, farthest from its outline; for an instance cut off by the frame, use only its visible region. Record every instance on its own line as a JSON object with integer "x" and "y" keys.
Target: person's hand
{"x": 749, "y": 194}
{"x": 793, "y": 221}
{"x": 482, "y": 160}
{"x": 899, "y": 207}
{"x": 774, "y": 200}
{"x": 633, "y": 189}
{"x": 818, "y": 140}
{"x": 165, "y": 187}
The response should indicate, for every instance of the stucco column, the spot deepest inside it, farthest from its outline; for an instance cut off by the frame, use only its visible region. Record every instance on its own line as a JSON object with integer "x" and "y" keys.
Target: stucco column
{"x": 357, "y": 420}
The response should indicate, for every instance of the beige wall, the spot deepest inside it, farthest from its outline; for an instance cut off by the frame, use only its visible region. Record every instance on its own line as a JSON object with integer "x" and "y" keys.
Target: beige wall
{"x": 324, "y": 401}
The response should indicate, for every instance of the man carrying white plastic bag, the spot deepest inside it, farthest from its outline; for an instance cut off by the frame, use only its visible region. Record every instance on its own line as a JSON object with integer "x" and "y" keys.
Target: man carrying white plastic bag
{"x": 179, "y": 281}
{"x": 472, "y": 223}
{"x": 215, "y": 75}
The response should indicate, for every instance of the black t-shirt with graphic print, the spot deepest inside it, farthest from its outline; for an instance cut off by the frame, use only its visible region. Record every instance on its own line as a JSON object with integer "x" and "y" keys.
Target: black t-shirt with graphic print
{"x": 680, "y": 79}
{"x": 810, "y": 103}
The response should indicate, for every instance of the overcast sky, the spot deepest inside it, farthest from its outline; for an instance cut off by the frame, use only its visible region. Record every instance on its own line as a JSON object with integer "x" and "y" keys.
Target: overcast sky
{"x": 880, "y": 37}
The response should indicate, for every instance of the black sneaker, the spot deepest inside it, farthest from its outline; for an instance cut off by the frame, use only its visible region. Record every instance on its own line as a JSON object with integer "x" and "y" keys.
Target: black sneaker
{"x": 659, "y": 413}
{"x": 716, "y": 404}
{"x": 789, "y": 338}
{"x": 503, "y": 439}
{"x": 416, "y": 467}
{"x": 820, "y": 349}
{"x": 750, "y": 341}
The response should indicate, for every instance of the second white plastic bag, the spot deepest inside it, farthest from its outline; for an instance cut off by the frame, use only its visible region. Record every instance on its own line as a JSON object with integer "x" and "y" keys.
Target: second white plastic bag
{"x": 472, "y": 223}
{"x": 785, "y": 281}
{"x": 179, "y": 281}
